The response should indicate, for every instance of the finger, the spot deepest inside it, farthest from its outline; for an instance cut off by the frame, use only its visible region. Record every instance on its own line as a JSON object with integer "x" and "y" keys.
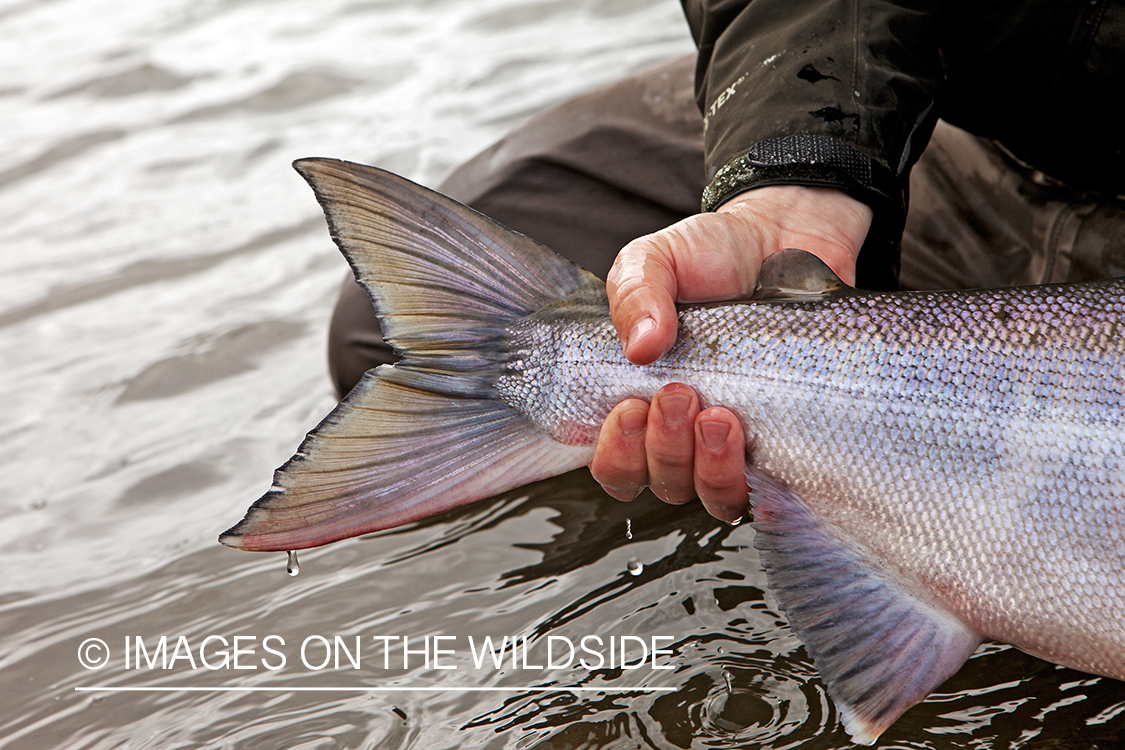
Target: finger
{"x": 720, "y": 464}
{"x": 642, "y": 298}
{"x": 670, "y": 443}
{"x": 619, "y": 463}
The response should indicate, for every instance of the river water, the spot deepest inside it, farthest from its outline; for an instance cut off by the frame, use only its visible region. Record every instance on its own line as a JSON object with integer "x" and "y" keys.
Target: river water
{"x": 167, "y": 282}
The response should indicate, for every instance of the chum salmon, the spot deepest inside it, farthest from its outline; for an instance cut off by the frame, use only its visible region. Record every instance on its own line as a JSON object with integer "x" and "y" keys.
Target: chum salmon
{"x": 927, "y": 469}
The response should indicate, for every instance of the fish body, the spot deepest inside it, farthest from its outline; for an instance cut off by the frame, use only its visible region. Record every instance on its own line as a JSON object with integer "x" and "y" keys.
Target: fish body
{"x": 972, "y": 443}
{"x": 928, "y": 469}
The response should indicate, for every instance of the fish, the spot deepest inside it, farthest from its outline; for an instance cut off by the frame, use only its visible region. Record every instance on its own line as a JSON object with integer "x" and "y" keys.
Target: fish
{"x": 928, "y": 470}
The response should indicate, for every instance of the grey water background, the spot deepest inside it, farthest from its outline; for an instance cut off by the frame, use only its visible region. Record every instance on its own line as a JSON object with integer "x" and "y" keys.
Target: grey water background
{"x": 165, "y": 286}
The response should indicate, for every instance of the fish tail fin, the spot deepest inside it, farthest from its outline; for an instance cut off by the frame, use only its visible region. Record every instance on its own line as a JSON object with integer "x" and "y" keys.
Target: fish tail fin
{"x": 426, "y": 434}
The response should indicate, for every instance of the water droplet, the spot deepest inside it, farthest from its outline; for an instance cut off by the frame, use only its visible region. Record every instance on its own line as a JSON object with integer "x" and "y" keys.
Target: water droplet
{"x": 727, "y": 679}
{"x": 635, "y": 566}
{"x": 293, "y": 567}
{"x": 719, "y": 649}
{"x": 628, "y": 528}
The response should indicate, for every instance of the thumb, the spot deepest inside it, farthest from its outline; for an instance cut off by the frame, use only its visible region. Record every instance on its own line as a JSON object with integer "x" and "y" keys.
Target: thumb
{"x": 642, "y": 290}
{"x": 704, "y": 258}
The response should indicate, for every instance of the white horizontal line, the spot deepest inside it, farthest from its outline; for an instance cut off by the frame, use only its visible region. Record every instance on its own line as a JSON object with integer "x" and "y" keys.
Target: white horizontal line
{"x": 378, "y": 689}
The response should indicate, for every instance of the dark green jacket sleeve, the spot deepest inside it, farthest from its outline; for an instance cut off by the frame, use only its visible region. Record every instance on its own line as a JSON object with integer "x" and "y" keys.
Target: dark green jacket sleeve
{"x": 845, "y": 94}
{"x": 830, "y": 93}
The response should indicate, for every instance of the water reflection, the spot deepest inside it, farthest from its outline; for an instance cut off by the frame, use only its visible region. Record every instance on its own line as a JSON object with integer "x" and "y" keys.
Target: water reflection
{"x": 738, "y": 677}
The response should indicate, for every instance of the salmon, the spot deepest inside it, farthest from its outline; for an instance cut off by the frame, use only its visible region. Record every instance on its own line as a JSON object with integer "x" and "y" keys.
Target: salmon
{"x": 928, "y": 470}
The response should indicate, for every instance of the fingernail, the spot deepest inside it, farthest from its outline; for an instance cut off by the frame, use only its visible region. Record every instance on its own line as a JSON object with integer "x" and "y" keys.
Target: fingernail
{"x": 714, "y": 434}
{"x": 640, "y": 330}
{"x": 674, "y": 408}
{"x": 633, "y": 422}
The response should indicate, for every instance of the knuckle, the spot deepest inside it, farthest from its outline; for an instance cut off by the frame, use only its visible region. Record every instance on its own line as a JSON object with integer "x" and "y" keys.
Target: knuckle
{"x": 672, "y": 494}
{"x": 671, "y": 457}
{"x": 722, "y": 487}
{"x": 728, "y": 481}
{"x": 612, "y": 472}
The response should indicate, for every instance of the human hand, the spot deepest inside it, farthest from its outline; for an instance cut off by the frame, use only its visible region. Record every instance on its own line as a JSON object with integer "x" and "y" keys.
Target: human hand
{"x": 673, "y": 446}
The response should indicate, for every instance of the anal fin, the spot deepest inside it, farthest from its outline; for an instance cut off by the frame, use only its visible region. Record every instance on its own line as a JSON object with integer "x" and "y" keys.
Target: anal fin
{"x": 879, "y": 647}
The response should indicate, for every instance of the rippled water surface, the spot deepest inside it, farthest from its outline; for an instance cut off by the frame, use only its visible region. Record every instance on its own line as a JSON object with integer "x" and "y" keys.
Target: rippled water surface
{"x": 167, "y": 282}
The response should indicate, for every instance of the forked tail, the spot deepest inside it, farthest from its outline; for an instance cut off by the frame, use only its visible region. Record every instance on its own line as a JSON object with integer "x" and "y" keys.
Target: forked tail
{"x": 426, "y": 434}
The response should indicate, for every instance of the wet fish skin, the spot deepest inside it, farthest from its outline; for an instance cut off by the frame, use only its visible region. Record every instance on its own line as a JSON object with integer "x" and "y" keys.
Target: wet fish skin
{"x": 877, "y": 401}
{"x": 928, "y": 469}
{"x": 972, "y": 443}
